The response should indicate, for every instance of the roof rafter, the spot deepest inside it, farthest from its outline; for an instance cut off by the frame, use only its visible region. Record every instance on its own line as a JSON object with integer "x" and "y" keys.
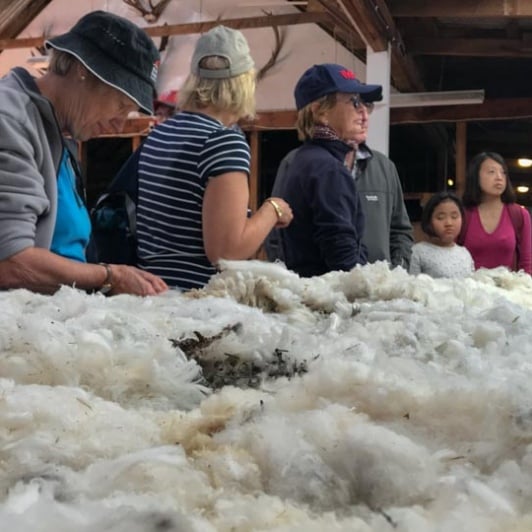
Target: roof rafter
{"x": 461, "y": 8}
{"x": 15, "y": 15}
{"x": 198, "y": 27}
{"x": 490, "y": 109}
{"x": 372, "y": 20}
{"x": 471, "y": 47}
{"x": 337, "y": 26}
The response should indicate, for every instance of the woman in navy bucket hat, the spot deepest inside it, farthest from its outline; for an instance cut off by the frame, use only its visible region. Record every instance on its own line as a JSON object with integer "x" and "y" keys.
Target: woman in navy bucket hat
{"x": 101, "y": 70}
{"x": 328, "y": 225}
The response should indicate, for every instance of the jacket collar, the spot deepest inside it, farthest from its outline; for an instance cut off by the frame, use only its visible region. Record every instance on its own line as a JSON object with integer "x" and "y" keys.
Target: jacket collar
{"x": 363, "y": 152}
{"x": 21, "y": 79}
{"x": 337, "y": 147}
{"x": 26, "y": 80}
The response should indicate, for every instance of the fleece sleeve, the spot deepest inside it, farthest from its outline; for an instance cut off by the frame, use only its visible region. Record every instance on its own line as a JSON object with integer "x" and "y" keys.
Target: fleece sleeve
{"x": 401, "y": 238}
{"x": 337, "y": 217}
{"x": 22, "y": 194}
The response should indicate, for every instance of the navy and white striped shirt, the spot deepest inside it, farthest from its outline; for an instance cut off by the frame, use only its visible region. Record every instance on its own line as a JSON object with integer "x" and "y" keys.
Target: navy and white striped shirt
{"x": 176, "y": 162}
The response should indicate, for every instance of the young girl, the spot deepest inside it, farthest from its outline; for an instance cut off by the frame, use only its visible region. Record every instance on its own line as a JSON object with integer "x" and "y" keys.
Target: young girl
{"x": 441, "y": 221}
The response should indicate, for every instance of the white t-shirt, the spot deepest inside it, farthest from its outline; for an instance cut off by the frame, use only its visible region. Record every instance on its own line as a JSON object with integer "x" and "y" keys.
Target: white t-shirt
{"x": 441, "y": 261}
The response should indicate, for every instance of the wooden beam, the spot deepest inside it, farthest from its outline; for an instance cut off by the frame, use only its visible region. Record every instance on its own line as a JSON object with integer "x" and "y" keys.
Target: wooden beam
{"x": 461, "y": 157}
{"x": 15, "y": 15}
{"x": 405, "y": 74}
{"x": 364, "y": 23}
{"x": 198, "y": 27}
{"x": 461, "y": 8}
{"x": 512, "y": 136}
{"x": 134, "y": 127}
{"x": 491, "y": 109}
{"x": 470, "y": 47}
{"x": 377, "y": 28}
{"x": 337, "y": 26}
{"x": 268, "y": 120}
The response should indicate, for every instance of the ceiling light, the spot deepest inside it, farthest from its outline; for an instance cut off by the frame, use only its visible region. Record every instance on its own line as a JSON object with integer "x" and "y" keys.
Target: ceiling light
{"x": 524, "y": 162}
{"x": 425, "y": 99}
{"x": 450, "y": 182}
{"x": 522, "y": 189}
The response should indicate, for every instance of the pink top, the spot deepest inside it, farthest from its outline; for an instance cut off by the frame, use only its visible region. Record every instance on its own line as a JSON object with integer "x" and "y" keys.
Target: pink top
{"x": 490, "y": 250}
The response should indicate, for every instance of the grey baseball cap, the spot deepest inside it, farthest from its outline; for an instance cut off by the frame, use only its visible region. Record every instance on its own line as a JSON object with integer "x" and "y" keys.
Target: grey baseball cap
{"x": 224, "y": 42}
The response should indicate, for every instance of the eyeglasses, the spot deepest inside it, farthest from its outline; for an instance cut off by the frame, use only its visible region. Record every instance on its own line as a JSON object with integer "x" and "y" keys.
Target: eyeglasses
{"x": 359, "y": 104}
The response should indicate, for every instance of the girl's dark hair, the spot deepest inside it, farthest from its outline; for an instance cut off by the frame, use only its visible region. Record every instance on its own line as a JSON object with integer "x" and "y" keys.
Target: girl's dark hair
{"x": 433, "y": 202}
{"x": 473, "y": 193}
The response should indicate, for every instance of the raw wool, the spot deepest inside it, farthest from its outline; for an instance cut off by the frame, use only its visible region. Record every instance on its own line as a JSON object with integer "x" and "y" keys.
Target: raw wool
{"x": 332, "y": 458}
{"x": 35, "y": 507}
{"x": 404, "y": 421}
{"x": 271, "y": 287}
{"x": 98, "y": 343}
{"x": 45, "y": 427}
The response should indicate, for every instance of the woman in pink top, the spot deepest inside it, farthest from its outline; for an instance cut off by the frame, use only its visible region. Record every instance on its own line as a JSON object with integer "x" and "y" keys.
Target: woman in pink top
{"x": 496, "y": 230}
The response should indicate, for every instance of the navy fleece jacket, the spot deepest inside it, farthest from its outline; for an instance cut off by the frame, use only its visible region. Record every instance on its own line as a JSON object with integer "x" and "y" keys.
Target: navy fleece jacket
{"x": 328, "y": 224}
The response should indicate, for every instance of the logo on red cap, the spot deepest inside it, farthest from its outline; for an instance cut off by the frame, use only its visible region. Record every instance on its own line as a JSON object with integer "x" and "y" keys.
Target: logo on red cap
{"x": 347, "y": 74}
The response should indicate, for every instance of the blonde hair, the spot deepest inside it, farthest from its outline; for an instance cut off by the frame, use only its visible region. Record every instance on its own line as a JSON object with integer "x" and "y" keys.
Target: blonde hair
{"x": 236, "y": 95}
{"x": 308, "y": 116}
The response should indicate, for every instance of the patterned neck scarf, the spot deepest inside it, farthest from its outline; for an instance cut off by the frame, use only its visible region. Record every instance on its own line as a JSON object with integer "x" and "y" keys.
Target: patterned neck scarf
{"x": 324, "y": 133}
{"x": 327, "y": 133}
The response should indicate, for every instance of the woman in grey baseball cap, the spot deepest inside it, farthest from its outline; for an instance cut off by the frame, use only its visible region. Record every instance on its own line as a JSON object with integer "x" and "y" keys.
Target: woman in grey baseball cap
{"x": 193, "y": 171}
{"x": 99, "y": 71}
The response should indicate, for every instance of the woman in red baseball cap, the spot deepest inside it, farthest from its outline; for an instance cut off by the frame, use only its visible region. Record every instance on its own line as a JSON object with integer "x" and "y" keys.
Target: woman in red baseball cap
{"x": 328, "y": 225}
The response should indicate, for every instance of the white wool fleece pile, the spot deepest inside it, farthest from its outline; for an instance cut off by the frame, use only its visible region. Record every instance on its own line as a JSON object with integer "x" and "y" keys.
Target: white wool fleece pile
{"x": 414, "y": 413}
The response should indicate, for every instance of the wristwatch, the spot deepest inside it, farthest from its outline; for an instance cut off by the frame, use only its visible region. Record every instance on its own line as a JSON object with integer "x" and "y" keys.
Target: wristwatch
{"x": 107, "y": 285}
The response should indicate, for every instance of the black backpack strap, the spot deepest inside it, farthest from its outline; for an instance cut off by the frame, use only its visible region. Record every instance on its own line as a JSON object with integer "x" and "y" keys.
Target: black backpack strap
{"x": 127, "y": 178}
{"x": 114, "y": 217}
{"x": 71, "y": 147}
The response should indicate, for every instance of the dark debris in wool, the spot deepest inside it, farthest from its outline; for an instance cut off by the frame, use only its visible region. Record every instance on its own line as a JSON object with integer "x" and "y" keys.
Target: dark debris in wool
{"x": 223, "y": 369}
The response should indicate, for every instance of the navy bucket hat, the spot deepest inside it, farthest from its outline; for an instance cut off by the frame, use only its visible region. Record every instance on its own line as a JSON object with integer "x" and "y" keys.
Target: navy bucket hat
{"x": 329, "y": 78}
{"x": 117, "y": 52}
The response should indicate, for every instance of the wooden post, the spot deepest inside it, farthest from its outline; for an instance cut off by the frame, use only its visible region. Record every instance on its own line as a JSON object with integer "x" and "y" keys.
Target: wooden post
{"x": 461, "y": 145}
{"x": 135, "y": 142}
{"x": 82, "y": 160}
{"x": 254, "y": 177}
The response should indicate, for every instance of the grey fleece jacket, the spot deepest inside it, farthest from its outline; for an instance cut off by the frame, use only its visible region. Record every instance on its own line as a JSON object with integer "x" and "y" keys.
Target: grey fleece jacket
{"x": 388, "y": 231}
{"x": 31, "y": 146}
{"x": 388, "y": 235}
